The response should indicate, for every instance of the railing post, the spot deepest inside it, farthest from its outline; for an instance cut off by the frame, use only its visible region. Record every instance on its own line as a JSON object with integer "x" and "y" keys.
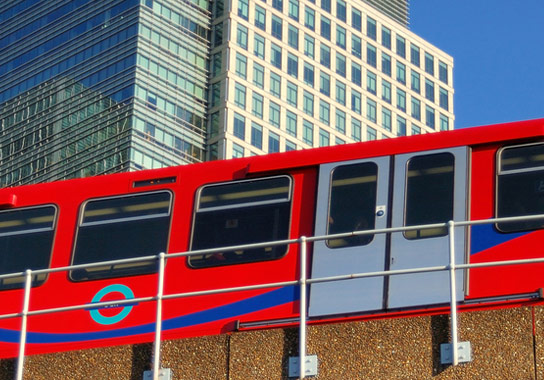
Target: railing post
{"x": 158, "y": 319}
{"x": 453, "y": 294}
{"x": 303, "y": 302}
{"x": 24, "y": 318}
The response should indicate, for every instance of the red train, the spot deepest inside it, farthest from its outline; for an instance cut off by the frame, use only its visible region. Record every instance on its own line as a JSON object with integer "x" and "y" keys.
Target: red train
{"x": 469, "y": 174}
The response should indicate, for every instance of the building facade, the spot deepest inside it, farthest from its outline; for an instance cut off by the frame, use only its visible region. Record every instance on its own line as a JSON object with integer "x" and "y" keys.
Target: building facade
{"x": 92, "y": 87}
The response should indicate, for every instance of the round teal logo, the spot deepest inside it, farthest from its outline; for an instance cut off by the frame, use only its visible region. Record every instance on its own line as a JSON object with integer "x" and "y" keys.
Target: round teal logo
{"x": 103, "y": 320}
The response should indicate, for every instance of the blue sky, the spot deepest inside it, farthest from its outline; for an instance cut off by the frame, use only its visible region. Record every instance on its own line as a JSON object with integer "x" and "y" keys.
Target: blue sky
{"x": 498, "y": 51}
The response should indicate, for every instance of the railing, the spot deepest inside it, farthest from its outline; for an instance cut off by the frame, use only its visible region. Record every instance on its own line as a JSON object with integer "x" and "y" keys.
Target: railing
{"x": 302, "y": 282}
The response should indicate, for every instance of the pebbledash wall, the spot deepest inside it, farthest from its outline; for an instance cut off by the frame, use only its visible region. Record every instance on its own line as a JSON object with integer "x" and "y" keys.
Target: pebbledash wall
{"x": 506, "y": 344}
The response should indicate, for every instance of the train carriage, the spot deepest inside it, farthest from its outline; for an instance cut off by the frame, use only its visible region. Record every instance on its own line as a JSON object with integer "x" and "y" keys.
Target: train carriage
{"x": 472, "y": 174}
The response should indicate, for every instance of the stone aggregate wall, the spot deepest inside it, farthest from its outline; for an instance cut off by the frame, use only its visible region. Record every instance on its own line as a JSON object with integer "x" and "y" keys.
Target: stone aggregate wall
{"x": 506, "y": 344}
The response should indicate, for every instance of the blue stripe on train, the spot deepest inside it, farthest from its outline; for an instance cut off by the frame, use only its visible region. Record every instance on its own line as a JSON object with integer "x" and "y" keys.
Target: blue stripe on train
{"x": 486, "y": 236}
{"x": 263, "y": 301}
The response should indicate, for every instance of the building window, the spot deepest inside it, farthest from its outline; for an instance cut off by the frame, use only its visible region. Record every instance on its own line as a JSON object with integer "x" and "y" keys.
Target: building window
{"x": 341, "y": 121}
{"x": 386, "y": 91}
{"x": 240, "y": 95}
{"x": 309, "y": 18}
{"x": 414, "y": 55}
{"x": 239, "y": 126}
{"x": 401, "y": 73}
{"x": 401, "y": 126}
{"x": 371, "y": 82}
{"x": 293, "y": 9}
{"x": 443, "y": 99}
{"x": 371, "y": 28}
{"x": 274, "y": 114}
{"x": 356, "y": 101}
{"x": 291, "y": 123}
{"x": 325, "y": 56}
{"x": 309, "y": 46}
{"x": 308, "y": 132}
{"x": 257, "y": 106}
{"x": 415, "y": 81}
{"x": 273, "y": 142}
{"x": 275, "y": 55}
{"x": 216, "y": 94}
{"x": 324, "y": 138}
{"x": 278, "y": 4}
{"x": 401, "y": 46}
{"x": 326, "y": 5}
{"x": 386, "y": 119}
{"x": 258, "y": 75}
{"x": 237, "y": 151}
{"x": 416, "y": 130}
{"x": 308, "y": 103}
{"x": 260, "y": 17}
{"x": 371, "y": 110}
{"x": 371, "y": 57}
{"x": 341, "y": 64}
{"x": 325, "y": 83}
{"x": 277, "y": 26}
{"x": 289, "y": 146}
{"x": 292, "y": 65}
{"x": 341, "y": 93}
{"x": 340, "y": 37}
{"x": 216, "y": 64}
{"x": 325, "y": 28}
{"x": 444, "y": 123}
{"x": 429, "y": 90}
{"x": 243, "y": 9}
{"x": 386, "y": 37}
{"x": 292, "y": 36}
{"x": 443, "y": 72}
{"x": 355, "y": 73}
{"x": 292, "y": 93}
{"x": 275, "y": 85}
{"x": 241, "y": 66}
{"x": 258, "y": 46}
{"x": 256, "y": 135}
{"x": 371, "y": 134}
{"x": 241, "y": 36}
{"x": 324, "y": 112}
{"x": 356, "y": 46}
{"x": 416, "y": 108}
{"x": 308, "y": 74}
{"x": 341, "y": 10}
{"x": 429, "y": 117}
{"x": 429, "y": 64}
{"x": 355, "y": 129}
{"x": 386, "y": 64}
{"x": 401, "y": 100}
{"x": 218, "y": 34}
{"x": 356, "y": 19}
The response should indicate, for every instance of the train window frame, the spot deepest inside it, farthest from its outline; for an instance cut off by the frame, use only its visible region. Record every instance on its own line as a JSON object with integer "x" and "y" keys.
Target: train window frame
{"x": 284, "y": 205}
{"x": 39, "y": 279}
{"x": 121, "y": 270}
{"x": 500, "y": 176}
{"x": 354, "y": 241}
{"x": 427, "y": 233}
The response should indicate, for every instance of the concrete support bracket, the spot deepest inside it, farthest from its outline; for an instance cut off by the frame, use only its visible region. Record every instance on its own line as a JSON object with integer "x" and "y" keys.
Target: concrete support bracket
{"x": 311, "y": 366}
{"x": 464, "y": 353}
{"x": 164, "y": 374}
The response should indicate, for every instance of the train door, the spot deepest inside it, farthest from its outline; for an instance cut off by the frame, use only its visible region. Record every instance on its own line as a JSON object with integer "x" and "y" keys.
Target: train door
{"x": 430, "y": 187}
{"x": 351, "y": 196}
{"x": 425, "y": 188}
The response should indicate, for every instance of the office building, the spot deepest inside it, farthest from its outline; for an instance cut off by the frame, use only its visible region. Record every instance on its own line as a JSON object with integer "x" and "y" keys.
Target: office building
{"x": 91, "y": 87}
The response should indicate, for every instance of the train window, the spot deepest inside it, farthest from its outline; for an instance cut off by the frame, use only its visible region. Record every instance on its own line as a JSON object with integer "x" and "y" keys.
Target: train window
{"x": 120, "y": 228}
{"x": 520, "y": 185}
{"x": 26, "y": 242}
{"x": 429, "y": 194}
{"x": 352, "y": 203}
{"x": 243, "y": 212}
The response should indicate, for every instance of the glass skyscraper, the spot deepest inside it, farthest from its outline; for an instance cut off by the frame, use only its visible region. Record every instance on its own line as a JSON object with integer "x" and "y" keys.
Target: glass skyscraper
{"x": 90, "y": 87}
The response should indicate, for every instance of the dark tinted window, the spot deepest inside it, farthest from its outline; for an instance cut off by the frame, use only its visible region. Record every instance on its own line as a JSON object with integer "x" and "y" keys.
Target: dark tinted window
{"x": 26, "y": 242}
{"x": 520, "y": 185}
{"x": 352, "y": 203}
{"x": 429, "y": 193}
{"x": 237, "y": 213}
{"x": 120, "y": 228}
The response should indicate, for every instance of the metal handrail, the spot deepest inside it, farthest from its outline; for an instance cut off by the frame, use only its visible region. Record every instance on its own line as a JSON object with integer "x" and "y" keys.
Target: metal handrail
{"x": 302, "y": 282}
